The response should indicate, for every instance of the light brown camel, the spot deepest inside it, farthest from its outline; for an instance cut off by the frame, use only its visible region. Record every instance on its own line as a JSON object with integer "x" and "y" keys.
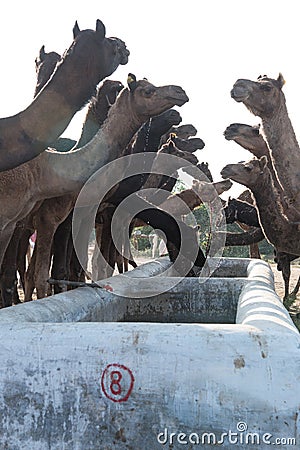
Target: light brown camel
{"x": 201, "y": 191}
{"x": 256, "y": 175}
{"x": 265, "y": 98}
{"x": 28, "y": 133}
{"x": 53, "y": 174}
{"x": 250, "y": 138}
{"x": 54, "y": 211}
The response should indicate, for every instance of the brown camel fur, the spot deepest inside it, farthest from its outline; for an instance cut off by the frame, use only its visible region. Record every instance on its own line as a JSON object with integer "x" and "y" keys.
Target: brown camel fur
{"x": 257, "y": 177}
{"x": 105, "y": 96}
{"x": 55, "y": 210}
{"x": 250, "y": 138}
{"x": 29, "y": 132}
{"x": 265, "y": 98}
{"x": 53, "y": 174}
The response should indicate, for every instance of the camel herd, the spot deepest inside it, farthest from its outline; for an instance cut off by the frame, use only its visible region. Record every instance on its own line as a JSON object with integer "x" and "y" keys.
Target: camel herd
{"x": 42, "y": 175}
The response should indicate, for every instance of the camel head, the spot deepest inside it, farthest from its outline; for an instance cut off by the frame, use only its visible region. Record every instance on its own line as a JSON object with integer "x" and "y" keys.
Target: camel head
{"x": 185, "y": 131}
{"x": 170, "y": 148}
{"x": 236, "y": 130}
{"x": 45, "y": 64}
{"x": 147, "y": 100}
{"x": 200, "y": 171}
{"x": 208, "y": 191}
{"x": 92, "y": 46}
{"x": 188, "y": 145}
{"x": 262, "y": 97}
{"x": 249, "y": 137}
{"x": 108, "y": 91}
{"x": 230, "y": 210}
{"x": 246, "y": 173}
{"x": 163, "y": 122}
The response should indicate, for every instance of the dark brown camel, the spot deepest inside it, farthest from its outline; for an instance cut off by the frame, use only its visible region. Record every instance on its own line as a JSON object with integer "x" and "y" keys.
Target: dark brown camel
{"x": 146, "y": 140}
{"x": 29, "y": 132}
{"x": 130, "y": 185}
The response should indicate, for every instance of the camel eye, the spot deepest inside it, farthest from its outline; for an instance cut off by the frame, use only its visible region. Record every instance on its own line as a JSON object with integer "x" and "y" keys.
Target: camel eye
{"x": 265, "y": 87}
{"x": 148, "y": 91}
{"x": 248, "y": 168}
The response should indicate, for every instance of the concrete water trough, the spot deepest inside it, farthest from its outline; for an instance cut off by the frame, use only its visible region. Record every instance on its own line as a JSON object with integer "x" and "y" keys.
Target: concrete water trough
{"x": 152, "y": 361}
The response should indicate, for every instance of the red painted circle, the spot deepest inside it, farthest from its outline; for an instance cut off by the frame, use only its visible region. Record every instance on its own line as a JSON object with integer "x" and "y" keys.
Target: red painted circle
{"x": 117, "y": 382}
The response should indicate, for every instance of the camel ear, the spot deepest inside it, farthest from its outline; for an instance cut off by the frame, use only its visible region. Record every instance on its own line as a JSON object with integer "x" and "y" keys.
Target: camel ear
{"x": 131, "y": 81}
{"x": 76, "y": 30}
{"x": 280, "y": 80}
{"x": 100, "y": 29}
{"x": 171, "y": 140}
{"x": 263, "y": 161}
{"x": 42, "y": 53}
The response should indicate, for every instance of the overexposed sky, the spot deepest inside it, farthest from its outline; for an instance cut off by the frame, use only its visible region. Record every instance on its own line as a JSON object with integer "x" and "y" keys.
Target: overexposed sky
{"x": 203, "y": 46}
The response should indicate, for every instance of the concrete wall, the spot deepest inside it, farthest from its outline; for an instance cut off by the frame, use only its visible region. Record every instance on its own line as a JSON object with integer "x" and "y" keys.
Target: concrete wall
{"x": 107, "y": 386}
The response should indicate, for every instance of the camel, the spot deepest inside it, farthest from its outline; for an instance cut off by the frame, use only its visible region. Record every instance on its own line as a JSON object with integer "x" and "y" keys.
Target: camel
{"x": 145, "y": 140}
{"x": 256, "y": 175}
{"x": 54, "y": 174}
{"x": 45, "y": 64}
{"x": 265, "y": 98}
{"x": 28, "y": 133}
{"x": 98, "y": 108}
{"x": 250, "y": 138}
{"x": 129, "y": 186}
{"x": 238, "y": 210}
{"x": 184, "y": 131}
{"x": 201, "y": 191}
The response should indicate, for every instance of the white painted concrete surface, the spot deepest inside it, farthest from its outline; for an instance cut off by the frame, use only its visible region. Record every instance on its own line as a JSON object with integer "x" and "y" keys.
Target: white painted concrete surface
{"x": 147, "y": 386}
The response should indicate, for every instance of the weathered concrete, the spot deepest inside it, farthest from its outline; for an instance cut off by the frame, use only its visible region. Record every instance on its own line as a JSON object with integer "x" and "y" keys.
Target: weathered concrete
{"x": 128, "y": 386}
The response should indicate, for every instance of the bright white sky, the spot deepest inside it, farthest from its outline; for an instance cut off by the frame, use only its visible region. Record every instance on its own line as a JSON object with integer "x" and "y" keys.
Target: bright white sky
{"x": 203, "y": 46}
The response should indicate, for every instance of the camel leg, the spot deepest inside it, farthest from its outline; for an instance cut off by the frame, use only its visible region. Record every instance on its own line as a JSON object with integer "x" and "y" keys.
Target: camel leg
{"x": 120, "y": 260}
{"x": 23, "y": 250}
{"x": 254, "y": 251}
{"x": 286, "y": 274}
{"x": 61, "y": 239}
{"x": 296, "y": 289}
{"x": 80, "y": 256}
{"x": 98, "y": 234}
{"x": 9, "y": 279}
{"x": 29, "y": 278}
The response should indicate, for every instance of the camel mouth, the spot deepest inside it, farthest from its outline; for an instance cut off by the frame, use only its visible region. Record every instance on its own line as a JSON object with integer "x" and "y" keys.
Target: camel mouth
{"x": 239, "y": 93}
{"x": 122, "y": 51}
{"x": 230, "y": 132}
{"x": 124, "y": 56}
{"x": 226, "y": 173}
{"x": 226, "y": 184}
{"x": 180, "y": 100}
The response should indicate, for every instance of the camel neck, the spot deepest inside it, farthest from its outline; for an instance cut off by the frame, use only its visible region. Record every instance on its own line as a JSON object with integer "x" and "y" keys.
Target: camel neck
{"x": 269, "y": 206}
{"x": 284, "y": 149}
{"x": 75, "y": 167}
